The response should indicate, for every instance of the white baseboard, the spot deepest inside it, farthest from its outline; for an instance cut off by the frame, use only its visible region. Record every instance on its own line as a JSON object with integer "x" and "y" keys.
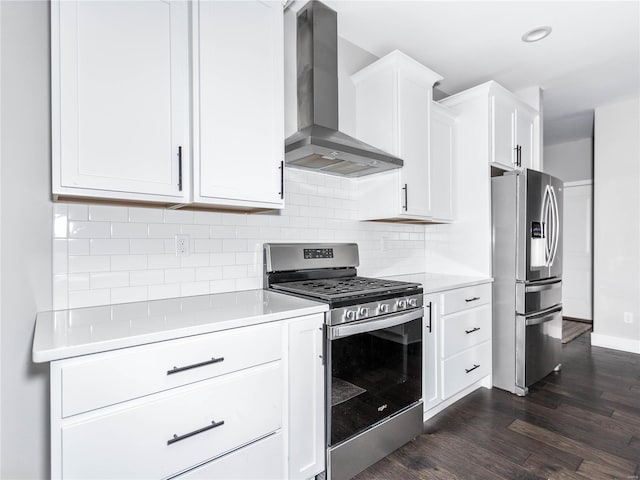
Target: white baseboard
{"x": 625, "y": 344}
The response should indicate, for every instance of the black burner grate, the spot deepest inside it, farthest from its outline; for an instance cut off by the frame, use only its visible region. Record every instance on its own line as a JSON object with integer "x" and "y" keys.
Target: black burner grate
{"x": 333, "y": 288}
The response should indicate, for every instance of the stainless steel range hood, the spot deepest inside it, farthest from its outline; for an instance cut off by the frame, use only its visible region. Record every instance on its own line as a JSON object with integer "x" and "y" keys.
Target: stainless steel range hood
{"x": 318, "y": 145}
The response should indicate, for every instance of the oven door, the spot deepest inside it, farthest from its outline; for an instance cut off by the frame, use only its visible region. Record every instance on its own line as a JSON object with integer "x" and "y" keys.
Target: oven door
{"x": 374, "y": 371}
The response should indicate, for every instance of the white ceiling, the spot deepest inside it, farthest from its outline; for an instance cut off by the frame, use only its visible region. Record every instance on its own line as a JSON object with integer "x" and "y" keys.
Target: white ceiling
{"x": 591, "y": 58}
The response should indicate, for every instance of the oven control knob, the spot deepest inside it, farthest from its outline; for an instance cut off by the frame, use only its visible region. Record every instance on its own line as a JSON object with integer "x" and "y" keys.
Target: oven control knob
{"x": 413, "y": 302}
{"x": 402, "y": 304}
{"x": 350, "y": 315}
{"x": 364, "y": 311}
{"x": 384, "y": 308}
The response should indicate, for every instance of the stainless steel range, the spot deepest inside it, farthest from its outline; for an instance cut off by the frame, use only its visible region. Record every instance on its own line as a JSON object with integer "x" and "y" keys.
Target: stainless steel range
{"x": 373, "y": 350}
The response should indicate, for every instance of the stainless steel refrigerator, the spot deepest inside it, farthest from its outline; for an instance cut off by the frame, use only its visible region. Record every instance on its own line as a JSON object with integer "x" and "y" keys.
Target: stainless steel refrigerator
{"x": 527, "y": 270}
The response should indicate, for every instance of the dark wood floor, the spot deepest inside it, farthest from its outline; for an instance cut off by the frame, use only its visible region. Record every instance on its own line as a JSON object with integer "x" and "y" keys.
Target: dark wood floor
{"x": 582, "y": 423}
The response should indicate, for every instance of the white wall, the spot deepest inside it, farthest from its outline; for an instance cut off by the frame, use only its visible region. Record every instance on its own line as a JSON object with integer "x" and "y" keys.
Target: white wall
{"x": 570, "y": 161}
{"x": 617, "y": 225}
{"x": 25, "y": 256}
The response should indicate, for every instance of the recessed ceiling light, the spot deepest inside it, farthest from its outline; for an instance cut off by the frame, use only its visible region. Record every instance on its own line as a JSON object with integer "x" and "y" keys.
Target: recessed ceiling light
{"x": 536, "y": 34}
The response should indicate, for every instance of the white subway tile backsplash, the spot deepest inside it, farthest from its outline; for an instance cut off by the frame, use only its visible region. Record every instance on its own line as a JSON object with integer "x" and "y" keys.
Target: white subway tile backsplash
{"x": 163, "y": 291}
{"x": 109, "y": 279}
{"x": 80, "y": 229}
{"x": 222, "y": 259}
{"x": 102, "y": 213}
{"x": 207, "y": 218}
{"x": 178, "y": 216}
{"x": 129, "y": 262}
{"x": 163, "y": 261}
{"x": 128, "y": 230}
{"x": 89, "y": 298}
{"x": 208, "y": 273}
{"x": 129, "y": 294}
{"x": 196, "y": 231}
{"x": 108, "y": 246}
{"x": 78, "y": 212}
{"x": 195, "y": 260}
{"x": 179, "y": 275}
{"x": 188, "y": 289}
{"x": 114, "y": 254}
{"x": 145, "y": 215}
{"x": 233, "y": 245}
{"x": 89, "y": 263}
{"x": 146, "y": 246}
{"x": 146, "y": 277}
{"x": 163, "y": 230}
{"x": 78, "y": 246}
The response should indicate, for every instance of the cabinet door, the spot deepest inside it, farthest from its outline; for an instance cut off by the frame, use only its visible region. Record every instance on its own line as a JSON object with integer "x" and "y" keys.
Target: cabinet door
{"x": 431, "y": 357}
{"x": 502, "y": 130}
{"x": 120, "y": 99}
{"x": 413, "y": 130}
{"x": 306, "y": 397}
{"x": 524, "y": 138}
{"x": 441, "y": 165}
{"x": 239, "y": 103}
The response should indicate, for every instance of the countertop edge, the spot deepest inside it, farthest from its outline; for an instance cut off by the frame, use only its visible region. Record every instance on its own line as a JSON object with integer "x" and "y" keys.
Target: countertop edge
{"x": 46, "y": 355}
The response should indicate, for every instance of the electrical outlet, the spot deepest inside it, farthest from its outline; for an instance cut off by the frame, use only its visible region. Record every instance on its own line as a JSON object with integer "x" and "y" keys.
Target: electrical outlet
{"x": 182, "y": 245}
{"x": 628, "y": 317}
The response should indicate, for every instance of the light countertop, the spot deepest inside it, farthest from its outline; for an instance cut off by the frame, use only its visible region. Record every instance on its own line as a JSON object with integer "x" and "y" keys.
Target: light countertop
{"x": 81, "y": 331}
{"x": 437, "y": 282}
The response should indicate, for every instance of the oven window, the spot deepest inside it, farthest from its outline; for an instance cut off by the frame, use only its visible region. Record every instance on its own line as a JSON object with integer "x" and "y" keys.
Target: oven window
{"x": 374, "y": 375}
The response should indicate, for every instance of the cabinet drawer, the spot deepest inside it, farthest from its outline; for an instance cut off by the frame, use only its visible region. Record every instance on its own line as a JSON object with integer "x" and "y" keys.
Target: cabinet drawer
{"x": 103, "y": 379}
{"x": 465, "y": 368}
{"x": 166, "y": 434}
{"x": 464, "y": 298}
{"x": 263, "y": 459}
{"x": 465, "y": 329}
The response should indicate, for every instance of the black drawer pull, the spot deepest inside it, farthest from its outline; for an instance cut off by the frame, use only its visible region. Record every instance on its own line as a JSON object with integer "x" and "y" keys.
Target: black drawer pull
{"x": 471, "y": 299}
{"x": 468, "y": 370}
{"x": 177, "y": 438}
{"x": 472, "y": 330}
{"x": 195, "y": 365}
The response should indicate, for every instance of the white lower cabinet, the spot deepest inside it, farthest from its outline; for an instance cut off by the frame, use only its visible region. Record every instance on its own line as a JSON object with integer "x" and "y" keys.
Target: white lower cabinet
{"x": 306, "y": 397}
{"x": 243, "y": 403}
{"x": 457, "y": 345}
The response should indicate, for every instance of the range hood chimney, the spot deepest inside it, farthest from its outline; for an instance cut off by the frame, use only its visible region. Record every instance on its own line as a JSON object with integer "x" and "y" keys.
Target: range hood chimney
{"x": 318, "y": 145}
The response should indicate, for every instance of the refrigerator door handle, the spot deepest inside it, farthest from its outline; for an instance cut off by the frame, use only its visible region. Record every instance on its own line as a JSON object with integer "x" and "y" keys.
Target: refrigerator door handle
{"x": 543, "y": 316}
{"x": 542, "y": 286}
{"x": 556, "y": 225}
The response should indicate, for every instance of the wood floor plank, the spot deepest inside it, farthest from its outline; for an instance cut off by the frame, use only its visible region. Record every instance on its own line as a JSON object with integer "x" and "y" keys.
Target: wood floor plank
{"x": 581, "y": 423}
{"x": 623, "y": 466}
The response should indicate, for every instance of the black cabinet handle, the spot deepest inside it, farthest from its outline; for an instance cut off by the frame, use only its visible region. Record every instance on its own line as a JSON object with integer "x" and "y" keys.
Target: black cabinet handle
{"x": 472, "y": 330}
{"x": 281, "y": 192}
{"x": 177, "y": 438}
{"x": 430, "y": 316}
{"x": 180, "y": 168}
{"x": 472, "y": 368}
{"x": 195, "y": 365}
{"x": 406, "y": 197}
{"x": 473, "y": 299}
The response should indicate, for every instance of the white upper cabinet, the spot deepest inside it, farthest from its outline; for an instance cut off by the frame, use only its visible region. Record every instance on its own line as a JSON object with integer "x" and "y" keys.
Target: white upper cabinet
{"x": 441, "y": 163}
{"x": 393, "y": 113}
{"x": 238, "y": 103}
{"x": 120, "y": 100}
{"x": 511, "y": 127}
{"x": 512, "y": 130}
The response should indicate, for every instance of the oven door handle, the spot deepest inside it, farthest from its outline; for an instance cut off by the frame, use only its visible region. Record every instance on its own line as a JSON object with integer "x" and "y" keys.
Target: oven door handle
{"x": 341, "y": 331}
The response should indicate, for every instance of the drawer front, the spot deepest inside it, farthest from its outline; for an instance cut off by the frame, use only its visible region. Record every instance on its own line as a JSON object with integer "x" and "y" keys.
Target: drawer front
{"x": 464, "y": 298}
{"x": 465, "y": 368}
{"x": 263, "y": 459}
{"x": 133, "y": 441}
{"x": 465, "y": 329}
{"x": 104, "y": 379}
